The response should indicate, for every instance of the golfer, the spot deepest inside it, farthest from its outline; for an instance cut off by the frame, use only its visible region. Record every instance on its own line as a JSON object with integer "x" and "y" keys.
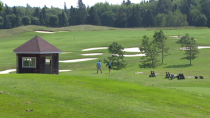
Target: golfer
{"x": 99, "y": 66}
{"x": 110, "y": 66}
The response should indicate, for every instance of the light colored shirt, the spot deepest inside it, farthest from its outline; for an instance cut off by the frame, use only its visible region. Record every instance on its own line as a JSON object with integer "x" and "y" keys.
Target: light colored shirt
{"x": 99, "y": 64}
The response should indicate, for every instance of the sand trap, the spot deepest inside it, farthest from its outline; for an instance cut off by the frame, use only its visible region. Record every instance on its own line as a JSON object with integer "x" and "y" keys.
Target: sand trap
{"x": 92, "y": 54}
{"x": 175, "y": 36}
{"x": 98, "y": 48}
{"x": 65, "y": 52}
{"x": 44, "y": 32}
{"x": 136, "y": 55}
{"x": 7, "y": 71}
{"x": 78, "y": 60}
{"x": 202, "y": 47}
{"x": 199, "y": 47}
{"x": 134, "y": 49}
{"x": 64, "y": 70}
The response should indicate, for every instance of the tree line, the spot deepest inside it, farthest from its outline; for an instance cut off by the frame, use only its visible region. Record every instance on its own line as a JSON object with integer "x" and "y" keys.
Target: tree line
{"x": 155, "y": 13}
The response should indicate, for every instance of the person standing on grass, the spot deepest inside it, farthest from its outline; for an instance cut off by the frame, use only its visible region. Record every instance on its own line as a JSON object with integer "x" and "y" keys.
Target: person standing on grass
{"x": 110, "y": 66}
{"x": 99, "y": 66}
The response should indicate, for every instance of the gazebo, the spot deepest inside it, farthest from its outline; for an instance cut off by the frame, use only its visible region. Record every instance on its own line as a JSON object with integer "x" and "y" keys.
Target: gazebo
{"x": 37, "y": 56}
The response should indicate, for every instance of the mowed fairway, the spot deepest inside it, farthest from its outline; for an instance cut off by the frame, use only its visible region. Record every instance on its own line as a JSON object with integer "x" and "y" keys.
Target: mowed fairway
{"x": 84, "y": 93}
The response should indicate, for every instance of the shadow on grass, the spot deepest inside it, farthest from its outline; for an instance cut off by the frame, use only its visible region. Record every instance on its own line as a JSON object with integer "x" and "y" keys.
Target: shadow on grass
{"x": 178, "y": 66}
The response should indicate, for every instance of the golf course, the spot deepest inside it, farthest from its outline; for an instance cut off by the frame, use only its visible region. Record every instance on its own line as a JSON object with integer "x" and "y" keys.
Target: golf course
{"x": 79, "y": 92}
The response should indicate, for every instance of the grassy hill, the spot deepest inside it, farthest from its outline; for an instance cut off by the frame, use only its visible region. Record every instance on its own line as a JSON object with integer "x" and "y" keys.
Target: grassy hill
{"x": 83, "y": 93}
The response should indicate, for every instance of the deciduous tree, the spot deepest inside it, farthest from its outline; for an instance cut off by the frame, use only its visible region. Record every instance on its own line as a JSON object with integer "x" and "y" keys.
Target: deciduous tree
{"x": 117, "y": 56}
{"x": 190, "y": 46}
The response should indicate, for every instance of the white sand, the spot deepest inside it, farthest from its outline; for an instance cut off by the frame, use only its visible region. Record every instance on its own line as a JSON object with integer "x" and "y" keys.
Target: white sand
{"x": 136, "y": 55}
{"x": 199, "y": 47}
{"x": 64, "y": 70}
{"x": 7, "y": 71}
{"x": 97, "y": 48}
{"x": 175, "y": 36}
{"x": 65, "y": 52}
{"x": 77, "y": 60}
{"x": 134, "y": 49}
{"x": 90, "y": 54}
{"x": 44, "y": 32}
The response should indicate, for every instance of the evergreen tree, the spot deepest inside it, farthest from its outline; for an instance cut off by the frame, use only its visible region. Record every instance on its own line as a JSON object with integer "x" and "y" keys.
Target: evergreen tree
{"x": 1, "y": 21}
{"x": 7, "y": 10}
{"x": 53, "y": 21}
{"x": 35, "y": 21}
{"x": 72, "y": 15}
{"x": 7, "y": 24}
{"x": 41, "y": 19}
{"x": 164, "y": 6}
{"x": 159, "y": 39}
{"x": 14, "y": 11}
{"x": 81, "y": 13}
{"x": 44, "y": 15}
{"x": 12, "y": 20}
{"x": 65, "y": 8}
{"x": 36, "y": 12}
{"x": 64, "y": 19}
{"x": 93, "y": 18}
{"x": 151, "y": 51}
{"x": 148, "y": 20}
{"x": 134, "y": 19}
{"x": 17, "y": 21}
{"x": 191, "y": 47}
{"x": 117, "y": 56}
{"x": 120, "y": 19}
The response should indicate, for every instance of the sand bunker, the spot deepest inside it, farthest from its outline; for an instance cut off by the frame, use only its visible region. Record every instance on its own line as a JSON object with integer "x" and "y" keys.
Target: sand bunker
{"x": 65, "y": 52}
{"x": 134, "y": 49}
{"x": 78, "y": 60}
{"x": 7, "y": 71}
{"x": 64, "y": 70}
{"x": 199, "y": 47}
{"x": 44, "y": 32}
{"x": 92, "y": 54}
{"x": 135, "y": 55}
{"x": 97, "y": 48}
{"x": 175, "y": 36}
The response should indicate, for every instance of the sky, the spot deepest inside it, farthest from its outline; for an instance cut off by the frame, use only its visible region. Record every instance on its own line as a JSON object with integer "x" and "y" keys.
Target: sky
{"x": 59, "y": 3}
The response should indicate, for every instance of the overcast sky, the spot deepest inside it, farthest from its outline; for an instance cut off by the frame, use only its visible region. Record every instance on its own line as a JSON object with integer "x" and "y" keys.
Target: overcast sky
{"x": 59, "y": 3}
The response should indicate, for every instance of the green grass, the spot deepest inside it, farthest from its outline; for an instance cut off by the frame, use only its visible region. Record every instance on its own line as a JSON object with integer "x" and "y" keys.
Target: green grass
{"x": 83, "y": 93}
{"x": 80, "y": 96}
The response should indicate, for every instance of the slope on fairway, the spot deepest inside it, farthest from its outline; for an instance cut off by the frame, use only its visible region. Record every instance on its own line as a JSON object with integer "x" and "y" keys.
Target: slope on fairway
{"x": 80, "y": 96}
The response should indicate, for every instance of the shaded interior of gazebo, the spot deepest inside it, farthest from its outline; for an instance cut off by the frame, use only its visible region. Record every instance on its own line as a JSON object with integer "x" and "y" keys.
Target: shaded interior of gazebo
{"x": 37, "y": 56}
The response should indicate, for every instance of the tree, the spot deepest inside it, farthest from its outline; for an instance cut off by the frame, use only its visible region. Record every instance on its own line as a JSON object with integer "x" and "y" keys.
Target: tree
{"x": 53, "y": 21}
{"x": 81, "y": 13}
{"x": 93, "y": 18}
{"x": 117, "y": 56}
{"x": 73, "y": 14}
{"x": 1, "y": 21}
{"x": 190, "y": 45}
{"x": 134, "y": 19}
{"x": 26, "y": 20}
{"x": 151, "y": 51}
{"x": 108, "y": 18}
{"x": 35, "y": 21}
{"x": 148, "y": 20}
{"x": 159, "y": 39}
{"x": 1, "y": 6}
{"x": 36, "y": 12}
{"x": 41, "y": 19}
{"x": 164, "y": 6}
{"x": 7, "y": 24}
{"x": 120, "y": 19}
{"x": 12, "y": 20}
{"x": 65, "y": 8}
{"x": 64, "y": 19}
{"x": 14, "y": 11}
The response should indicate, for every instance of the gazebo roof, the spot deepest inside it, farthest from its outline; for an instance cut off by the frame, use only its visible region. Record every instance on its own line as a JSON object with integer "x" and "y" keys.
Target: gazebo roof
{"x": 37, "y": 45}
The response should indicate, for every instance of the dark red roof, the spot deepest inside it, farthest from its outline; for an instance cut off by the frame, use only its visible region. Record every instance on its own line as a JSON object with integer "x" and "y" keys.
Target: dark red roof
{"x": 37, "y": 45}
